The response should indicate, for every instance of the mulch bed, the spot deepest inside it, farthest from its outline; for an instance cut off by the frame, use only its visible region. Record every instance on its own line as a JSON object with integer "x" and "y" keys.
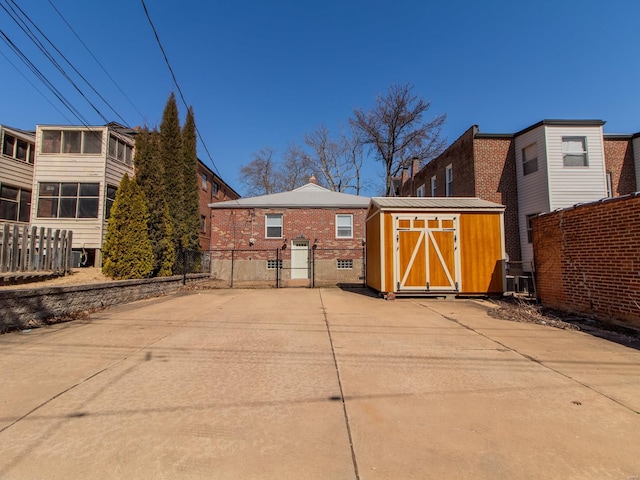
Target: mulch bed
{"x": 527, "y": 310}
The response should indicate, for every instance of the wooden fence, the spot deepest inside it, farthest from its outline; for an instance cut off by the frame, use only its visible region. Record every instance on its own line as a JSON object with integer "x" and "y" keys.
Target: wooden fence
{"x": 32, "y": 249}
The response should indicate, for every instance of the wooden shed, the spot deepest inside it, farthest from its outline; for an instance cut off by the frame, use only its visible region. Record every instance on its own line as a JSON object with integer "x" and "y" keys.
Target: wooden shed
{"x": 435, "y": 245}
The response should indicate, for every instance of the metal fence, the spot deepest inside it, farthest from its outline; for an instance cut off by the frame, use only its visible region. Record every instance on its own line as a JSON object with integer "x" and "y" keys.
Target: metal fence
{"x": 31, "y": 249}
{"x": 274, "y": 268}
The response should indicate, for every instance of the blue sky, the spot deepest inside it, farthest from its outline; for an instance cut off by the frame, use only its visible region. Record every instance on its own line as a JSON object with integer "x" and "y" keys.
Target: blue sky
{"x": 262, "y": 73}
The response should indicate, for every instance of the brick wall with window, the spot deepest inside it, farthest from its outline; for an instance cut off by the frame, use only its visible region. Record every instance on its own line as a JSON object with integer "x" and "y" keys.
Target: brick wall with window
{"x": 233, "y": 228}
{"x": 210, "y": 190}
{"x": 588, "y": 258}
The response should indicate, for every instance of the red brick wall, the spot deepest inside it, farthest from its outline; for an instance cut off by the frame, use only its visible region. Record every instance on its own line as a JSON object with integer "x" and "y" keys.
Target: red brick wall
{"x": 232, "y": 229}
{"x": 460, "y": 155}
{"x": 496, "y": 181}
{"x": 207, "y": 196}
{"x": 588, "y": 259}
{"x": 618, "y": 156}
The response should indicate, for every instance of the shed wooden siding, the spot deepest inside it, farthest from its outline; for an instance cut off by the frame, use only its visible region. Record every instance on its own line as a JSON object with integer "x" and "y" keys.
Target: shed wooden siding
{"x": 480, "y": 240}
{"x": 481, "y": 253}
{"x": 374, "y": 267}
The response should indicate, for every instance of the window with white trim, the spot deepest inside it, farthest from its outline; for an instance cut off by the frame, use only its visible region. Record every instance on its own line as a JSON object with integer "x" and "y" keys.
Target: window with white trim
{"x": 448, "y": 175}
{"x": 68, "y": 200}
{"x": 120, "y": 150}
{"x": 15, "y": 203}
{"x": 609, "y": 185}
{"x": 111, "y": 197}
{"x": 344, "y": 226}
{"x": 433, "y": 186}
{"x": 204, "y": 181}
{"x": 273, "y": 225}
{"x": 574, "y": 152}
{"x": 86, "y": 142}
{"x": 17, "y": 148}
{"x": 344, "y": 264}
{"x": 421, "y": 191}
{"x": 530, "y": 159}
{"x": 273, "y": 264}
{"x": 529, "y": 227}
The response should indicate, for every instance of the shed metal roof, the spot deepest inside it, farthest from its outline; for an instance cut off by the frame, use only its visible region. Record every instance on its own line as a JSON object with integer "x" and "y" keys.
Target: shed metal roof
{"x": 436, "y": 203}
{"x": 307, "y": 196}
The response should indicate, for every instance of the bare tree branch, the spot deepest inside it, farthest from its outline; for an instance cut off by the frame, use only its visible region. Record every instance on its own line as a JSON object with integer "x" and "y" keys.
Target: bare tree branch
{"x": 396, "y": 132}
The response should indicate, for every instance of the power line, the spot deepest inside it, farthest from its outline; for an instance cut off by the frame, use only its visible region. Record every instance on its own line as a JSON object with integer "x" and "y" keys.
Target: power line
{"x": 97, "y": 61}
{"x": 43, "y": 78}
{"x": 32, "y": 36}
{"x": 34, "y": 87}
{"x": 175, "y": 81}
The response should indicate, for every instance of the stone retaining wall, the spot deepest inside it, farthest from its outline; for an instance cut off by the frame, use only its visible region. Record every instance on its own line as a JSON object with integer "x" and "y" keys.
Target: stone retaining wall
{"x": 24, "y": 307}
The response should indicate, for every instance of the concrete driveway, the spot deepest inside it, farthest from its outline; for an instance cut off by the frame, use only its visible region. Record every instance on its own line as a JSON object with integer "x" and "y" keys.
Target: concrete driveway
{"x": 314, "y": 384}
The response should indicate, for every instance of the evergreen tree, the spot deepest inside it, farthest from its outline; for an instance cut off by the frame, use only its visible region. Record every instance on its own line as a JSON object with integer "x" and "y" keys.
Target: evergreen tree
{"x": 171, "y": 159}
{"x": 191, "y": 236}
{"x": 127, "y": 249}
{"x": 150, "y": 178}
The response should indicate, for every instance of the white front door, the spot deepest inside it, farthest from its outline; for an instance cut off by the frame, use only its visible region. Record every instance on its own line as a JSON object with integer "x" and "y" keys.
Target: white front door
{"x": 299, "y": 259}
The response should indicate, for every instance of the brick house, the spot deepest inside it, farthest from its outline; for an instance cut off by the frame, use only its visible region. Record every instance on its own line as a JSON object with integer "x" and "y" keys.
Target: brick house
{"x": 211, "y": 189}
{"x": 311, "y": 235}
{"x": 549, "y": 165}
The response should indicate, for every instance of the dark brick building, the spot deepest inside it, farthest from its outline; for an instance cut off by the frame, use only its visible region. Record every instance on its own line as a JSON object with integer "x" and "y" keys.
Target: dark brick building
{"x": 492, "y": 167}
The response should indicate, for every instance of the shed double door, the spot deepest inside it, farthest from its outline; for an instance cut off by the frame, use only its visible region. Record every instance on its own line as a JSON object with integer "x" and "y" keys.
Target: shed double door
{"x": 427, "y": 256}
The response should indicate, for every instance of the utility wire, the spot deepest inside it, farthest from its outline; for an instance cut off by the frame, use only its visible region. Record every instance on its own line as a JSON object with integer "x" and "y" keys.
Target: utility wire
{"x": 175, "y": 81}
{"x": 35, "y": 88}
{"x": 43, "y": 79}
{"x": 98, "y": 61}
{"x": 27, "y": 30}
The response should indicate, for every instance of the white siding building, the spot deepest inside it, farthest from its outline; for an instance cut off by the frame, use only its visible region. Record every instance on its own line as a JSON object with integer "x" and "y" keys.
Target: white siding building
{"x": 16, "y": 174}
{"x": 558, "y": 163}
{"x": 77, "y": 172}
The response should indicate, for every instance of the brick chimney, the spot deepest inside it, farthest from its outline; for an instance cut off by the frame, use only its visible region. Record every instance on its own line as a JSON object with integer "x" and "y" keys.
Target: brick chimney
{"x": 313, "y": 179}
{"x": 415, "y": 166}
{"x": 405, "y": 176}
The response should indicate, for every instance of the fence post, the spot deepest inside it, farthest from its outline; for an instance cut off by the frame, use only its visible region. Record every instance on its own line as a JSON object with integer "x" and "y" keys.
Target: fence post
{"x": 15, "y": 242}
{"x": 313, "y": 267}
{"x": 232, "y": 261}
{"x": 55, "y": 259}
{"x": 47, "y": 264}
{"x": 277, "y": 268}
{"x": 67, "y": 260}
{"x": 4, "y": 253}
{"x": 23, "y": 248}
{"x": 32, "y": 249}
{"x": 184, "y": 267}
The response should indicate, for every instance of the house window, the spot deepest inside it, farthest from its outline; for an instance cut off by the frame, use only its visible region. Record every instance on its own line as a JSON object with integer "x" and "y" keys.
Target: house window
{"x": 530, "y": 159}
{"x": 421, "y": 191}
{"x": 215, "y": 187}
{"x": 433, "y": 186}
{"x": 273, "y": 225}
{"x": 120, "y": 150}
{"x": 15, "y": 204}
{"x": 16, "y": 148}
{"x": 203, "y": 223}
{"x": 204, "y": 181}
{"x": 68, "y": 200}
{"x": 111, "y": 197}
{"x": 346, "y": 264}
{"x": 273, "y": 264}
{"x": 344, "y": 226}
{"x": 574, "y": 152}
{"x": 449, "y": 180}
{"x": 85, "y": 142}
{"x": 529, "y": 227}
{"x": 609, "y": 185}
